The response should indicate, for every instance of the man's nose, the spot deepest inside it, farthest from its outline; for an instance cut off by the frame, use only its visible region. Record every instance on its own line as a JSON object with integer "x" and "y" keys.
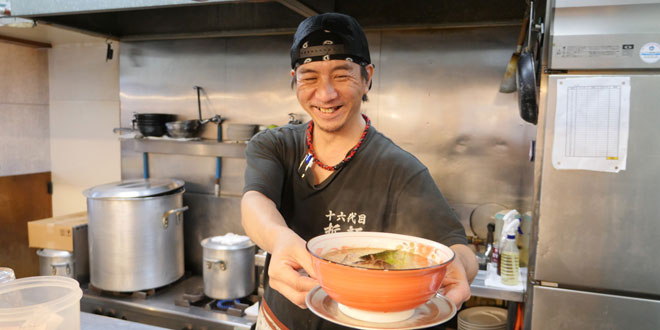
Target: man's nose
{"x": 326, "y": 91}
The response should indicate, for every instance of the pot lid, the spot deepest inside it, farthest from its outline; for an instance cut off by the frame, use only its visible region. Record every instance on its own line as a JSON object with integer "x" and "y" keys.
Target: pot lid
{"x": 229, "y": 241}
{"x": 53, "y": 253}
{"x": 134, "y": 188}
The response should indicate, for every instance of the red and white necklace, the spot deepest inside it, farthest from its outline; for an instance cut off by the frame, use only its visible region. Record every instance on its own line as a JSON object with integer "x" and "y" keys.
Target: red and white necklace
{"x": 349, "y": 155}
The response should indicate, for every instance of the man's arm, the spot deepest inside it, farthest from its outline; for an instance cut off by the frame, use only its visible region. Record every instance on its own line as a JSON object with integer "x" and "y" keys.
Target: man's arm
{"x": 266, "y": 227}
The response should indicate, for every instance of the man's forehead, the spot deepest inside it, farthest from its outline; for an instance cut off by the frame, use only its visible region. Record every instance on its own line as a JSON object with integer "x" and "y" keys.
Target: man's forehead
{"x": 331, "y": 65}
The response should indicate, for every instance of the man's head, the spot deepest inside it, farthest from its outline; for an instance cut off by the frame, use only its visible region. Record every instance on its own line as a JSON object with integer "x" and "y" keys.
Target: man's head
{"x": 329, "y": 36}
{"x": 331, "y": 67}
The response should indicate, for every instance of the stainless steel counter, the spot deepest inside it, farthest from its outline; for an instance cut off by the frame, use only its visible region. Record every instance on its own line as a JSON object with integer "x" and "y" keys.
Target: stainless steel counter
{"x": 89, "y": 321}
{"x": 160, "y": 309}
{"x": 479, "y": 289}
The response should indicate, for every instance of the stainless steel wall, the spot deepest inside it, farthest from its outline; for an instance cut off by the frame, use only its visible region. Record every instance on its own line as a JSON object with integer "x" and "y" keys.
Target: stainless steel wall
{"x": 435, "y": 93}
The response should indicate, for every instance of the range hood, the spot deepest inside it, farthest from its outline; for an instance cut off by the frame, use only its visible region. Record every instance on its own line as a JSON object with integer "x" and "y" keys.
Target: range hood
{"x": 130, "y": 20}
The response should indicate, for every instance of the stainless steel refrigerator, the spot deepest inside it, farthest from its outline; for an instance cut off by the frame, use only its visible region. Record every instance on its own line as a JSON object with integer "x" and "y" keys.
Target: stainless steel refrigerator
{"x": 595, "y": 253}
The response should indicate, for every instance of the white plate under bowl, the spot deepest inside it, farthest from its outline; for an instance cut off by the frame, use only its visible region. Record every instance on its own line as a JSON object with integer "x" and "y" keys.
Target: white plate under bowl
{"x": 436, "y": 311}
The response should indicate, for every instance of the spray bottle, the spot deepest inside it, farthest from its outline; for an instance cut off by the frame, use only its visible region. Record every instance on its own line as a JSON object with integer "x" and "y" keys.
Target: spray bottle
{"x": 509, "y": 255}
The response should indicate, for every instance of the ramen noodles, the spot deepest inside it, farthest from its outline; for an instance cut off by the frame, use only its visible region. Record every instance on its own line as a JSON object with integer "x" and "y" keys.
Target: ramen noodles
{"x": 375, "y": 258}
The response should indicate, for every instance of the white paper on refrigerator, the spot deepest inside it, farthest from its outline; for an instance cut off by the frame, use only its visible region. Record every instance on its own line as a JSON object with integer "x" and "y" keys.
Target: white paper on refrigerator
{"x": 591, "y": 124}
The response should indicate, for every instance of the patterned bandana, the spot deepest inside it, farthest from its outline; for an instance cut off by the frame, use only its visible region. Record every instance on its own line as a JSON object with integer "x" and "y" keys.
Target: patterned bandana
{"x": 325, "y": 45}
{"x": 329, "y": 36}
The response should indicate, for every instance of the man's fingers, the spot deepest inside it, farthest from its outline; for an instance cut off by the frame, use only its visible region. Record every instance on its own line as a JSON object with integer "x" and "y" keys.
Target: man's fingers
{"x": 295, "y": 296}
{"x": 304, "y": 259}
{"x": 293, "y": 279}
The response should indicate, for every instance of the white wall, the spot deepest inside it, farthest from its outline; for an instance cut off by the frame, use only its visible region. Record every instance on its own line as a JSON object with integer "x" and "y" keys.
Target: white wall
{"x": 84, "y": 108}
{"x": 24, "y": 127}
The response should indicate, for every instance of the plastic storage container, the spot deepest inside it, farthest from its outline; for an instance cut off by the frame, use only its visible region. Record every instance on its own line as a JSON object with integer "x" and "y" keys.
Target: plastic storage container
{"x": 41, "y": 302}
{"x": 6, "y": 274}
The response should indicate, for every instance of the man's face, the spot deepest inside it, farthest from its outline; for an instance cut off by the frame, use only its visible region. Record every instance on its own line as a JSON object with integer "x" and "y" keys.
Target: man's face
{"x": 331, "y": 92}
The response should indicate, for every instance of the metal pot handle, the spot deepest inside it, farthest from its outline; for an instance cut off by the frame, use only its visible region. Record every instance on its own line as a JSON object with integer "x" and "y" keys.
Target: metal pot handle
{"x": 167, "y": 214}
{"x": 53, "y": 268}
{"x": 210, "y": 262}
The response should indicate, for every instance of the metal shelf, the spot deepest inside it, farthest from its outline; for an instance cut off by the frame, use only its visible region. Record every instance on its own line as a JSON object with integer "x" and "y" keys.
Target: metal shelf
{"x": 478, "y": 288}
{"x": 209, "y": 148}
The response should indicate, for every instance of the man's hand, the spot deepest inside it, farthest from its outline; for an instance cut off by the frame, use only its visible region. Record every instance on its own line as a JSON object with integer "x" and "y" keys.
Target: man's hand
{"x": 289, "y": 265}
{"x": 266, "y": 227}
{"x": 456, "y": 284}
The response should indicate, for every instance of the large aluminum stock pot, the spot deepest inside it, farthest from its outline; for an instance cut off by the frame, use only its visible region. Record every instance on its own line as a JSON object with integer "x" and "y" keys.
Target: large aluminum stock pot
{"x": 135, "y": 234}
{"x": 228, "y": 266}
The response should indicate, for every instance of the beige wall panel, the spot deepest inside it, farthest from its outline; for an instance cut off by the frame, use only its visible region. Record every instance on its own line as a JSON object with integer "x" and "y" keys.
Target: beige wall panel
{"x": 24, "y": 128}
{"x": 24, "y": 146}
{"x": 84, "y": 151}
{"x": 23, "y": 75}
{"x": 80, "y": 72}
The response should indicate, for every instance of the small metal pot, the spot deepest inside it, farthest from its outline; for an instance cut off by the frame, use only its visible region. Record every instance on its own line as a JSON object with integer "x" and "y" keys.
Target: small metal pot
{"x": 228, "y": 268}
{"x": 56, "y": 262}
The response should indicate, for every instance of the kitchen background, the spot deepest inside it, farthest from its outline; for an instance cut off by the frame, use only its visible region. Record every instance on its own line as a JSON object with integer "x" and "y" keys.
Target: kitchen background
{"x": 435, "y": 93}
{"x": 438, "y": 68}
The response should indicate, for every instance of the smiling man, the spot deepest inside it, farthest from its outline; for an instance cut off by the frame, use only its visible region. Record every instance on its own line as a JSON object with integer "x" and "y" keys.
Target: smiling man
{"x": 336, "y": 173}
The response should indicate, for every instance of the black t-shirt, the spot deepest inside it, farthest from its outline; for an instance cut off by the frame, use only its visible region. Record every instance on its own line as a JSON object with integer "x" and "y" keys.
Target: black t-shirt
{"x": 383, "y": 188}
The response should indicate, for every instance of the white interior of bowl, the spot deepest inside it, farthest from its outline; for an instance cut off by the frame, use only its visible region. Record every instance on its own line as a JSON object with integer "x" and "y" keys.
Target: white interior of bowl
{"x": 323, "y": 244}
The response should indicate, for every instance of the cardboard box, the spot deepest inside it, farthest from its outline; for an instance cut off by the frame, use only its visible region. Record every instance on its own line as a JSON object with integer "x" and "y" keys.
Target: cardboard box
{"x": 67, "y": 232}
{"x": 58, "y": 233}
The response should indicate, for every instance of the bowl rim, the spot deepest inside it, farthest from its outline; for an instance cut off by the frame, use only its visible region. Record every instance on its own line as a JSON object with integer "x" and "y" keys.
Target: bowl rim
{"x": 423, "y": 240}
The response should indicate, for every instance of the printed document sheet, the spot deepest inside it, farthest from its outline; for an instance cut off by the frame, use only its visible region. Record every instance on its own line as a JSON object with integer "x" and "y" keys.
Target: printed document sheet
{"x": 591, "y": 124}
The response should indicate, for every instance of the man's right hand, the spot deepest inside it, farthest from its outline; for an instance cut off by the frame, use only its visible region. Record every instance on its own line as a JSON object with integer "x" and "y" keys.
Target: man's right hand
{"x": 266, "y": 227}
{"x": 289, "y": 265}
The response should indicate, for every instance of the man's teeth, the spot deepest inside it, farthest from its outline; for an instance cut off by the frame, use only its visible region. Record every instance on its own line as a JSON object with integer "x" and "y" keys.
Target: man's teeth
{"x": 328, "y": 110}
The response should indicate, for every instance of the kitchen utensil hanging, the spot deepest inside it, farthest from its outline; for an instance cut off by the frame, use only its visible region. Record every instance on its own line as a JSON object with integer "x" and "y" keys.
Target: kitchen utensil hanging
{"x": 508, "y": 84}
{"x": 527, "y": 71}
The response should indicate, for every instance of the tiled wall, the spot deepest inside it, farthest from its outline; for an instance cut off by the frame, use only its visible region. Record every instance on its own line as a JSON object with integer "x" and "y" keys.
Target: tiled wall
{"x": 84, "y": 108}
{"x": 24, "y": 125}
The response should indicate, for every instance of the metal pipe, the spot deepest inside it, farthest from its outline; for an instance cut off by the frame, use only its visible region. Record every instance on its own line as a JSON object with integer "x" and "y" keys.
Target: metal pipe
{"x": 145, "y": 165}
{"x": 218, "y": 161}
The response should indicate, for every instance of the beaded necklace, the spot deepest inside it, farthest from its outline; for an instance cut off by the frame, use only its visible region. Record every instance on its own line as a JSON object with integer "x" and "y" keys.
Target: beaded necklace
{"x": 349, "y": 155}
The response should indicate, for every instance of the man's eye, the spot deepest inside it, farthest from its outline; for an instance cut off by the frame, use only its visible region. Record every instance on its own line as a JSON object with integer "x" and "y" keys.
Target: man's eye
{"x": 308, "y": 79}
{"x": 342, "y": 76}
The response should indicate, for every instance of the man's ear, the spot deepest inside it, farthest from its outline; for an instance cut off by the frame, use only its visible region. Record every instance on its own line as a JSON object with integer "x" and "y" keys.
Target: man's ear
{"x": 293, "y": 73}
{"x": 370, "y": 74}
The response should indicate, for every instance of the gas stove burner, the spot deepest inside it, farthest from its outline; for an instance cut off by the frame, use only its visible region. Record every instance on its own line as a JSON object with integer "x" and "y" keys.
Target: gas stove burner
{"x": 231, "y": 307}
{"x": 143, "y": 294}
{"x": 139, "y": 294}
{"x": 191, "y": 297}
{"x": 195, "y": 297}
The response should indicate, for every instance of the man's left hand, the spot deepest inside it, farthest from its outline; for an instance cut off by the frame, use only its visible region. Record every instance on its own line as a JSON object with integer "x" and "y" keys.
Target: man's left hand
{"x": 456, "y": 284}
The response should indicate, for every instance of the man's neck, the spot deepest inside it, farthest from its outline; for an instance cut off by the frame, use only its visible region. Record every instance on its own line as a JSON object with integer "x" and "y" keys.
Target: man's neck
{"x": 331, "y": 147}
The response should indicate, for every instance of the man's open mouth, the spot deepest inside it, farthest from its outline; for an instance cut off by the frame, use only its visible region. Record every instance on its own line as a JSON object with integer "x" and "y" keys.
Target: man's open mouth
{"x": 329, "y": 109}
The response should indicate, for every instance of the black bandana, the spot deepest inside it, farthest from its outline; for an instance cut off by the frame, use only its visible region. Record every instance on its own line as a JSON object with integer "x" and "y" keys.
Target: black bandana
{"x": 325, "y": 45}
{"x": 329, "y": 36}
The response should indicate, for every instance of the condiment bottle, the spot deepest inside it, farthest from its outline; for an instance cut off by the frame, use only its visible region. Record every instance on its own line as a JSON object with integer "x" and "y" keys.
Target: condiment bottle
{"x": 510, "y": 255}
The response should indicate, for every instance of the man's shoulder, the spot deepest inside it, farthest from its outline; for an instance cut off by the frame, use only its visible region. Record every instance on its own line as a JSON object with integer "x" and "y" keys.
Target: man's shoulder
{"x": 387, "y": 151}
{"x": 282, "y": 135}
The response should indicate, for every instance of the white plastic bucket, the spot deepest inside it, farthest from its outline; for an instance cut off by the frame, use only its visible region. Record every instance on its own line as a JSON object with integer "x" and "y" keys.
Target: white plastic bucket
{"x": 41, "y": 302}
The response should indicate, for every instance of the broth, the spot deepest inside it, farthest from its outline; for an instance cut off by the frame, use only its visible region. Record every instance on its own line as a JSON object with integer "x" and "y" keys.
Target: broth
{"x": 375, "y": 258}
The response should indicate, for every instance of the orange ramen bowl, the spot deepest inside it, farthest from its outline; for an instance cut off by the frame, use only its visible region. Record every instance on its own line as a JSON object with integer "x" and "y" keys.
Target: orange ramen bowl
{"x": 377, "y": 290}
